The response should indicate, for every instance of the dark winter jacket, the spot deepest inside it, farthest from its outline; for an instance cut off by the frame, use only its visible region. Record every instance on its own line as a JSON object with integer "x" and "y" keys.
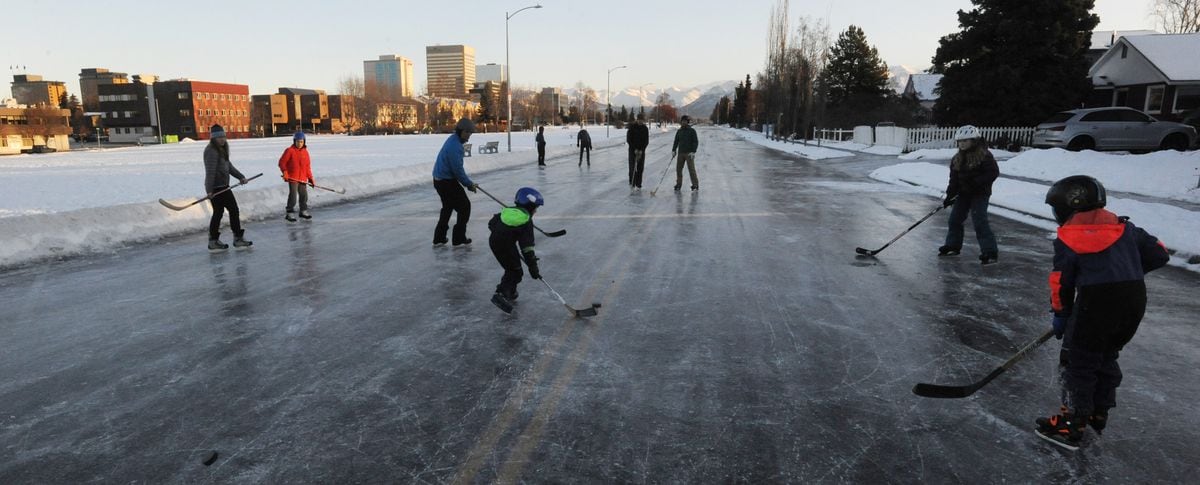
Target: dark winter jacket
{"x": 513, "y": 228}
{"x": 638, "y": 136}
{"x": 1100, "y": 261}
{"x": 217, "y": 168}
{"x": 583, "y": 139}
{"x": 449, "y": 164}
{"x": 972, "y": 173}
{"x": 686, "y": 140}
{"x": 540, "y": 139}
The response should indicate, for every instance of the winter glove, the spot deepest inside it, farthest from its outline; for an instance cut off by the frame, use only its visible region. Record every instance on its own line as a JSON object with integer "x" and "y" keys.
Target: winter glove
{"x": 1060, "y": 326}
{"x": 312, "y": 183}
{"x": 243, "y": 180}
{"x": 473, "y": 188}
{"x": 531, "y": 260}
{"x": 534, "y": 273}
{"x": 949, "y": 201}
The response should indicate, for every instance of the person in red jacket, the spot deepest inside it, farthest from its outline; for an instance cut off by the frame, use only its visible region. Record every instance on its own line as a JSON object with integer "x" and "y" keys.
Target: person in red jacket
{"x": 297, "y": 171}
{"x": 1098, "y": 297}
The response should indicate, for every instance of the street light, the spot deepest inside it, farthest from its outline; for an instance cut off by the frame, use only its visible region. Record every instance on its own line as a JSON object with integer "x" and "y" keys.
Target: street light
{"x": 508, "y": 72}
{"x": 608, "y": 91}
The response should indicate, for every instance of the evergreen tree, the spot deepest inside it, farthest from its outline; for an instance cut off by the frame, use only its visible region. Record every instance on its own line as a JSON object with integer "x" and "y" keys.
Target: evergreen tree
{"x": 624, "y": 115}
{"x": 1013, "y": 63}
{"x": 855, "y": 74}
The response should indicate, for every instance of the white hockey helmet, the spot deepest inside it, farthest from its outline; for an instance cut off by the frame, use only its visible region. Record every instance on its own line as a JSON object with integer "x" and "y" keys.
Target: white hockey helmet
{"x": 967, "y": 132}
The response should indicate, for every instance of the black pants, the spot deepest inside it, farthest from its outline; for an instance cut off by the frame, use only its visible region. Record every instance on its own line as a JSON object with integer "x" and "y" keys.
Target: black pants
{"x": 220, "y": 203}
{"x": 510, "y": 259}
{"x": 587, "y": 150}
{"x": 541, "y": 153}
{"x": 637, "y": 163}
{"x": 454, "y": 199}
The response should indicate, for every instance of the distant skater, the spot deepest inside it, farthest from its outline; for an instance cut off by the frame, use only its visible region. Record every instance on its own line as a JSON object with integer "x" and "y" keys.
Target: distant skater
{"x": 217, "y": 169}
{"x": 686, "y": 144}
{"x": 296, "y": 168}
{"x": 584, "y": 141}
{"x": 541, "y": 146}
{"x": 638, "y": 138}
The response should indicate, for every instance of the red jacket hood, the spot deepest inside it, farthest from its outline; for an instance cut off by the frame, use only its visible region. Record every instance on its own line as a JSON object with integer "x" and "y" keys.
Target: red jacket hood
{"x": 1092, "y": 231}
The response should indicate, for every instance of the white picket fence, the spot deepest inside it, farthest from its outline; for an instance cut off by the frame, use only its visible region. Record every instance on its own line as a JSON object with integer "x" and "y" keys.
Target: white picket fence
{"x": 937, "y": 137}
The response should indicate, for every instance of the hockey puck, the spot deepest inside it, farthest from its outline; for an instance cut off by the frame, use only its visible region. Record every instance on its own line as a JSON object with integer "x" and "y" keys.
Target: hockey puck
{"x": 210, "y": 459}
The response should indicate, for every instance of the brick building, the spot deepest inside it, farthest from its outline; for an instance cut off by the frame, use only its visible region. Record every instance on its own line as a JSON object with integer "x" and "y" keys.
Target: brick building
{"x": 190, "y": 107}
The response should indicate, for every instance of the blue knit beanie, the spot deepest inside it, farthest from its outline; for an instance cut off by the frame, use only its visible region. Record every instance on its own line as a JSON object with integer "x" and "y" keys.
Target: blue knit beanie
{"x": 298, "y": 136}
{"x": 216, "y": 132}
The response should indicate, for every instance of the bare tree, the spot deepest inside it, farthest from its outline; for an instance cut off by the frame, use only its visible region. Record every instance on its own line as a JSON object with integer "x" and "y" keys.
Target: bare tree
{"x": 1177, "y": 16}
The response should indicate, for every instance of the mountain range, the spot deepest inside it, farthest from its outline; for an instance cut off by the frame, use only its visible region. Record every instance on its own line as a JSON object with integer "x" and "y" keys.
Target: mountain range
{"x": 694, "y": 101}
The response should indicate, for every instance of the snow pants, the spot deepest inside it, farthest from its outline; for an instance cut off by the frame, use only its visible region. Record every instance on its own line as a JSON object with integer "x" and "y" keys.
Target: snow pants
{"x": 220, "y": 203}
{"x": 509, "y": 258}
{"x": 977, "y": 208}
{"x": 454, "y": 199}
{"x": 541, "y": 153}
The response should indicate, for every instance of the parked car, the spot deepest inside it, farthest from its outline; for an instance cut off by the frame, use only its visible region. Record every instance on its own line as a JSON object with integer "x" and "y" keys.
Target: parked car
{"x": 1116, "y": 128}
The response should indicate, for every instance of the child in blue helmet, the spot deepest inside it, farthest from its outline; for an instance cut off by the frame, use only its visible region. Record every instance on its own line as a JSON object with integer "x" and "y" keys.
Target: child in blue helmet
{"x": 511, "y": 241}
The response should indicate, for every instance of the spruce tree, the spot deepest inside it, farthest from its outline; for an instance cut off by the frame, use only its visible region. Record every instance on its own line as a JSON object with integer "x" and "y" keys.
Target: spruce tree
{"x": 1014, "y": 63}
{"x": 855, "y": 74}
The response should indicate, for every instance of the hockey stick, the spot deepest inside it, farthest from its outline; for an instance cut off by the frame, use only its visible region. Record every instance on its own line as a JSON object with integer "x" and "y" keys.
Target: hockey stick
{"x": 955, "y": 392}
{"x": 209, "y": 196}
{"x": 868, "y": 252}
{"x": 664, "y": 177}
{"x": 560, "y": 232}
{"x": 336, "y": 191}
{"x": 586, "y": 312}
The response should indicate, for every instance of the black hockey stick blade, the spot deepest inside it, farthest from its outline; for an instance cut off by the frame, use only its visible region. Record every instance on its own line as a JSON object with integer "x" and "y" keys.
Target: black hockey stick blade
{"x": 937, "y": 391}
{"x": 586, "y": 312}
{"x": 865, "y": 252}
{"x": 558, "y": 233}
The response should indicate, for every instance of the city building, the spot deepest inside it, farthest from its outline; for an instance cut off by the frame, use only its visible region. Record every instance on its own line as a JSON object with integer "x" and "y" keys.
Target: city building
{"x": 89, "y": 81}
{"x": 33, "y": 129}
{"x": 441, "y": 114}
{"x": 343, "y": 116}
{"x": 450, "y": 70}
{"x": 127, "y": 110}
{"x": 489, "y": 72}
{"x": 189, "y": 108}
{"x": 271, "y": 114}
{"x": 388, "y": 78}
{"x": 32, "y": 90}
{"x": 490, "y": 96}
{"x": 550, "y": 103}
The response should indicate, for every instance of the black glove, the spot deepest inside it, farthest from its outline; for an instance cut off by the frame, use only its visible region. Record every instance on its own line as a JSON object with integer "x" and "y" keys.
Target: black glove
{"x": 949, "y": 201}
{"x": 534, "y": 272}
{"x": 472, "y": 188}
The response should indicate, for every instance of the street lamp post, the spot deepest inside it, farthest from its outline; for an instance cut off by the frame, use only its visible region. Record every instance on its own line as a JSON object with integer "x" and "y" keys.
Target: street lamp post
{"x": 508, "y": 73}
{"x": 608, "y": 93}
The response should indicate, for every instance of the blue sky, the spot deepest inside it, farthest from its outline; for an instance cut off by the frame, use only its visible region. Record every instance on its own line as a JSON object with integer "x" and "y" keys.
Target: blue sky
{"x": 308, "y": 43}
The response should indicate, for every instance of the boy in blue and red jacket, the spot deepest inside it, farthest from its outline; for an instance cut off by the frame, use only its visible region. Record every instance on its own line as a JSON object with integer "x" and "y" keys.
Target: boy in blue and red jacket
{"x": 1098, "y": 296}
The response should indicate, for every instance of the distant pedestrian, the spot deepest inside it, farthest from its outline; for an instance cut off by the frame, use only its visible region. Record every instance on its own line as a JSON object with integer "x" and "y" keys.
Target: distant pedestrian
{"x": 217, "y": 169}
{"x": 296, "y": 168}
{"x": 584, "y": 141}
{"x": 541, "y": 146}
{"x": 512, "y": 241}
{"x": 686, "y": 144}
{"x": 638, "y": 138}
{"x": 972, "y": 172}
{"x": 449, "y": 178}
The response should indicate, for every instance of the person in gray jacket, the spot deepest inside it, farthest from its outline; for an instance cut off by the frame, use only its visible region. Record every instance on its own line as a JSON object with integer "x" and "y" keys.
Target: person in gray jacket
{"x": 217, "y": 169}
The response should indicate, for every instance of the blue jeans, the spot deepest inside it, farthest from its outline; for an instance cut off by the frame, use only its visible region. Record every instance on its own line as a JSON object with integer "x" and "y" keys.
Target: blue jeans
{"x": 977, "y": 206}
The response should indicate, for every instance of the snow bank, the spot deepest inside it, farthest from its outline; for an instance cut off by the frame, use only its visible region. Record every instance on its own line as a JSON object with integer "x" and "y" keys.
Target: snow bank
{"x": 1165, "y": 174}
{"x": 948, "y": 153}
{"x": 811, "y": 152}
{"x": 70, "y": 212}
{"x": 1175, "y": 226}
{"x": 860, "y": 147}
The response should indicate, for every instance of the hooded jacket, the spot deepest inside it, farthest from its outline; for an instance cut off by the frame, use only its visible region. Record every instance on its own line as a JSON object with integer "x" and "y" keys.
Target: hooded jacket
{"x": 1100, "y": 261}
{"x": 638, "y": 136}
{"x": 295, "y": 164}
{"x": 972, "y": 173}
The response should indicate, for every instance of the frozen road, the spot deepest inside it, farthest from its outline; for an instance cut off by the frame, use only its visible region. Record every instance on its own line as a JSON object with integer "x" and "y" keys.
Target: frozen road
{"x": 740, "y": 340}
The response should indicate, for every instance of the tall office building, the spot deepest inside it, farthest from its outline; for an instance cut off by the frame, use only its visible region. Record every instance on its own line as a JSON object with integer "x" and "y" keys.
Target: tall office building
{"x": 489, "y": 72}
{"x": 89, "y": 81}
{"x": 390, "y": 76}
{"x": 32, "y": 90}
{"x": 450, "y": 70}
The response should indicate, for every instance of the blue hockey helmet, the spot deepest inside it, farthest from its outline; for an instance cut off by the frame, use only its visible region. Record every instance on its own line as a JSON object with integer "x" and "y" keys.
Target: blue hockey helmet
{"x": 527, "y": 196}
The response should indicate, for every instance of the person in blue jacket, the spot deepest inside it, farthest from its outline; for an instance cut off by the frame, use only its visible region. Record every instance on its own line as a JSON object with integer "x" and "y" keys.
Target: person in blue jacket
{"x": 1098, "y": 297}
{"x": 449, "y": 178}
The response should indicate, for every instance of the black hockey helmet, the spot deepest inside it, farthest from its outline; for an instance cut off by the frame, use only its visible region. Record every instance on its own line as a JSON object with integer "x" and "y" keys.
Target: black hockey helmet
{"x": 1073, "y": 194}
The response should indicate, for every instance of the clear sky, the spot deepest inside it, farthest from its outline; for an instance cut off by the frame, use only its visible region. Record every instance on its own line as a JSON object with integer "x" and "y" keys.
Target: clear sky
{"x": 307, "y": 43}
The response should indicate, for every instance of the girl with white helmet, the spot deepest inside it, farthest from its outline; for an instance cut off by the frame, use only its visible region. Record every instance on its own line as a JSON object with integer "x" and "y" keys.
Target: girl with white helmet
{"x": 972, "y": 172}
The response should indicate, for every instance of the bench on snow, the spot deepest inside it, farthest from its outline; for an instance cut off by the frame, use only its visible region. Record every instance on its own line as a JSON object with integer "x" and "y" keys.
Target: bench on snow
{"x": 490, "y": 147}
{"x": 467, "y": 150}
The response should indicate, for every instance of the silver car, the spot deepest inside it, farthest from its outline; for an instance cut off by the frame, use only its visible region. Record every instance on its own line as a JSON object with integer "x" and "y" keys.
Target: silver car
{"x": 1116, "y": 128}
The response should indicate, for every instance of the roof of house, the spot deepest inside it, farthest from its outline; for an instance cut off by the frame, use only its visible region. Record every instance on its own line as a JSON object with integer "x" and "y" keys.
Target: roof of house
{"x": 924, "y": 85}
{"x": 1103, "y": 39}
{"x": 1173, "y": 54}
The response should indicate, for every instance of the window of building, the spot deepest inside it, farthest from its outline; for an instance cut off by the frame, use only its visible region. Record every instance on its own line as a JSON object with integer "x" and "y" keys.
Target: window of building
{"x": 1124, "y": 51}
{"x": 183, "y": 95}
{"x": 185, "y": 113}
{"x": 1154, "y": 99}
{"x": 186, "y": 129}
{"x": 129, "y": 114}
{"x": 115, "y": 114}
{"x": 1187, "y": 98}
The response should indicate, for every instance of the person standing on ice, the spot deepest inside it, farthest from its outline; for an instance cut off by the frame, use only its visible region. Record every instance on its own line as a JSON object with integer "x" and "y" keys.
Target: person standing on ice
{"x": 512, "y": 241}
{"x": 540, "y": 139}
{"x": 1098, "y": 297}
{"x": 972, "y": 172}
{"x": 638, "y": 138}
{"x": 584, "y": 141}
{"x": 449, "y": 178}
{"x": 296, "y": 168}
{"x": 217, "y": 169}
{"x": 686, "y": 144}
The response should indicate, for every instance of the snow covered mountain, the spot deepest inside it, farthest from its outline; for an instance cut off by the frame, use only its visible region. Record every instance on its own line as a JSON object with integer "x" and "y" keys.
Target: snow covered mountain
{"x": 899, "y": 74}
{"x": 682, "y": 97}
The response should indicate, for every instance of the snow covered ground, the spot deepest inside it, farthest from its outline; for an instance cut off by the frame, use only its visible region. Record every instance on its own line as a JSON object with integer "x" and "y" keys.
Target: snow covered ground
{"x": 859, "y": 147}
{"x": 811, "y": 152}
{"x": 81, "y": 201}
{"x": 1161, "y": 174}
